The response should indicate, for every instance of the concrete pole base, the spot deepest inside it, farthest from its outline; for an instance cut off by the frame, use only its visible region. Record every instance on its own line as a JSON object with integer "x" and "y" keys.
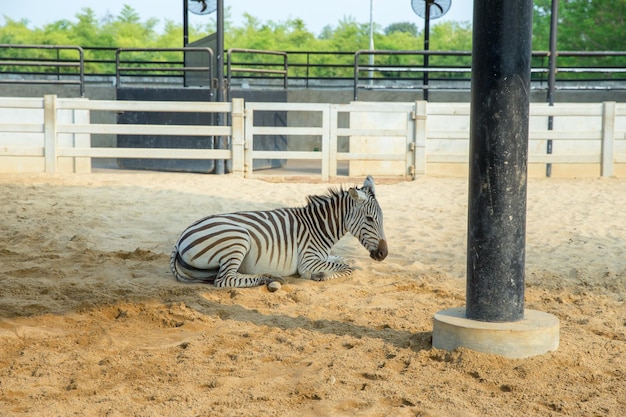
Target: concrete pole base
{"x": 536, "y": 334}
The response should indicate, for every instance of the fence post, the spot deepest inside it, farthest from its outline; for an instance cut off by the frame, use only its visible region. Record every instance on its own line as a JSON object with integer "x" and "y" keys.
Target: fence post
{"x": 82, "y": 140}
{"x": 333, "y": 110}
{"x": 50, "y": 132}
{"x": 608, "y": 138}
{"x": 237, "y": 138}
{"x": 326, "y": 146}
{"x": 248, "y": 146}
{"x": 419, "y": 116}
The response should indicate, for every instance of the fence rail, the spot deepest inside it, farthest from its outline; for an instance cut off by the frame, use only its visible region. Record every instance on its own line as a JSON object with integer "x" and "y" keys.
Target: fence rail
{"x": 448, "y": 70}
{"x": 51, "y": 66}
{"x": 401, "y": 140}
{"x": 124, "y": 65}
{"x": 280, "y": 69}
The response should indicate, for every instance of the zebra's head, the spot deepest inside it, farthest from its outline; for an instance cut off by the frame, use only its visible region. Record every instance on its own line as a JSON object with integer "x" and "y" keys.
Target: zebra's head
{"x": 365, "y": 222}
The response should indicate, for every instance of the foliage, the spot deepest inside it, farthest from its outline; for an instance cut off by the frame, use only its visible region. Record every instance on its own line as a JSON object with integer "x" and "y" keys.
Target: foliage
{"x": 406, "y": 27}
{"x": 583, "y": 25}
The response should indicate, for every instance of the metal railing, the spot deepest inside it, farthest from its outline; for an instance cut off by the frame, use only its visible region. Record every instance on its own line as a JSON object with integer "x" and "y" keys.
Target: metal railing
{"x": 144, "y": 67}
{"x": 405, "y": 69}
{"x": 45, "y": 67}
{"x": 311, "y": 68}
{"x": 267, "y": 70}
{"x": 302, "y": 69}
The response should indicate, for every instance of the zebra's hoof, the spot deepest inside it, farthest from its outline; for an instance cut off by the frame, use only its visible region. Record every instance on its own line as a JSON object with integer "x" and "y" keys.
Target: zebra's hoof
{"x": 274, "y": 286}
{"x": 277, "y": 279}
{"x": 318, "y": 276}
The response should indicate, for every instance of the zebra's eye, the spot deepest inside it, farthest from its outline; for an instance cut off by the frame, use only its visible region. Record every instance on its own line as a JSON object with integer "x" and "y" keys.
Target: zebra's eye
{"x": 369, "y": 219}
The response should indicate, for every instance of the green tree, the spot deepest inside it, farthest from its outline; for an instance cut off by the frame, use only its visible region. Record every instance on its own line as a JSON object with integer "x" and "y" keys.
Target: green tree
{"x": 405, "y": 27}
{"x": 350, "y": 35}
{"x": 583, "y": 25}
{"x": 128, "y": 31}
{"x": 172, "y": 35}
{"x": 87, "y": 31}
{"x": 17, "y": 32}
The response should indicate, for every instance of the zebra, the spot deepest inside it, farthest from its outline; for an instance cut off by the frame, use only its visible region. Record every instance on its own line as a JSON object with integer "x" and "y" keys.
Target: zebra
{"x": 252, "y": 248}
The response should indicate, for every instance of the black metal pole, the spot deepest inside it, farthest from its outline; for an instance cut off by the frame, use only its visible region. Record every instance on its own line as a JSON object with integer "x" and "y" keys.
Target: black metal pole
{"x": 185, "y": 24}
{"x": 221, "y": 142}
{"x": 554, "y": 14}
{"x": 426, "y": 48}
{"x": 498, "y": 159}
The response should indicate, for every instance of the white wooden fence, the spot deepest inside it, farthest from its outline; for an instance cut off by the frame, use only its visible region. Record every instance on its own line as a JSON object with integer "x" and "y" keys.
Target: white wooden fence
{"x": 370, "y": 150}
{"x": 396, "y": 139}
{"x": 66, "y": 129}
{"x": 587, "y": 138}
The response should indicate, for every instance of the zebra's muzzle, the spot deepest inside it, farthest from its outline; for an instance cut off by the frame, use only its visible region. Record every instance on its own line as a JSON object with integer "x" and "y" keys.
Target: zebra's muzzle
{"x": 380, "y": 252}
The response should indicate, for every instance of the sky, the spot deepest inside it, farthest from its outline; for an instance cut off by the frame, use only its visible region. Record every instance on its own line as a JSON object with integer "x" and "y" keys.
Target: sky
{"x": 315, "y": 13}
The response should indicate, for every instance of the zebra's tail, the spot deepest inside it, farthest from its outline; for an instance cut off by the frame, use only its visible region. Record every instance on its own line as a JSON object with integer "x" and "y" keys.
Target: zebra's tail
{"x": 184, "y": 272}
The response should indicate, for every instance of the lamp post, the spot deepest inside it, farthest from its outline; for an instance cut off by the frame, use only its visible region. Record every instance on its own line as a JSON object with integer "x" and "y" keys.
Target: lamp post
{"x": 371, "y": 57}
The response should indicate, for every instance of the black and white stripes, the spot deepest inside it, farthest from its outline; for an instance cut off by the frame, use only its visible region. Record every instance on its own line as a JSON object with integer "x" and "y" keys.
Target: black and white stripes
{"x": 252, "y": 248}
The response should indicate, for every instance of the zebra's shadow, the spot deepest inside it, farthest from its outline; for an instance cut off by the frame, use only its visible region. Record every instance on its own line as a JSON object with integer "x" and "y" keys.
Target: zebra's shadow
{"x": 402, "y": 339}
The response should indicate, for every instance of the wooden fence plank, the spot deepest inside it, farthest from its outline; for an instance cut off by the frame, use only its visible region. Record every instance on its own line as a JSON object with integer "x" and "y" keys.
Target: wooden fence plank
{"x": 152, "y": 153}
{"x": 161, "y": 130}
{"x": 420, "y": 138}
{"x": 287, "y": 155}
{"x": 238, "y": 138}
{"x": 282, "y": 130}
{"x": 21, "y": 128}
{"x": 608, "y": 138}
{"x": 21, "y": 151}
{"x": 21, "y": 103}
{"x": 50, "y": 132}
{"x": 144, "y": 106}
{"x": 350, "y": 156}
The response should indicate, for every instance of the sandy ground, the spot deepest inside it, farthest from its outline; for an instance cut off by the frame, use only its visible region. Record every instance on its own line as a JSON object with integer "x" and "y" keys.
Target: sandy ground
{"x": 93, "y": 324}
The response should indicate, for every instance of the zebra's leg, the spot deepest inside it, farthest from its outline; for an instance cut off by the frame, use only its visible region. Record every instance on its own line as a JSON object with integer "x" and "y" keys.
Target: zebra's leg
{"x": 336, "y": 259}
{"x": 229, "y": 276}
{"x": 317, "y": 269}
{"x": 239, "y": 280}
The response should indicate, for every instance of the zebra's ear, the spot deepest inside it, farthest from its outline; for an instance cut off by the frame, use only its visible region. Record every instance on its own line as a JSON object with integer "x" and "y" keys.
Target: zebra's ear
{"x": 357, "y": 195}
{"x": 369, "y": 185}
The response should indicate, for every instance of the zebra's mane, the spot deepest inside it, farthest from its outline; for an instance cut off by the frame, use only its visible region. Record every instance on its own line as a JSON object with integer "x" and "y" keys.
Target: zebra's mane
{"x": 333, "y": 193}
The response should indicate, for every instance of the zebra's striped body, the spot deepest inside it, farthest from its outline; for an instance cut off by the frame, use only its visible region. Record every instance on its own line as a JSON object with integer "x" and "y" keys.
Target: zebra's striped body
{"x": 252, "y": 248}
